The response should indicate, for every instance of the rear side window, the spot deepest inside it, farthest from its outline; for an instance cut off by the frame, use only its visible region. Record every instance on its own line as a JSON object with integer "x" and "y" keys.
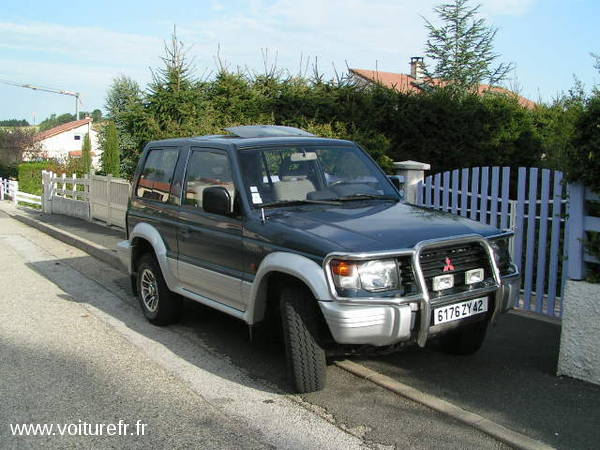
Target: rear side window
{"x": 157, "y": 175}
{"x": 206, "y": 169}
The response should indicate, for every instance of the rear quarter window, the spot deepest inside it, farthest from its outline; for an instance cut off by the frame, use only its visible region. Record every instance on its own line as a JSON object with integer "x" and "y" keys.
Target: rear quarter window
{"x": 157, "y": 175}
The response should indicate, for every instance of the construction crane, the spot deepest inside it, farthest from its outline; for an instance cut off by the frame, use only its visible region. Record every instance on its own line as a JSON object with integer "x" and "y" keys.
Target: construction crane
{"x": 46, "y": 89}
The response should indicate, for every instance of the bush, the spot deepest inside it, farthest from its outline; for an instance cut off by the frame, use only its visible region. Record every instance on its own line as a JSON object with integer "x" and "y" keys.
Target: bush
{"x": 8, "y": 171}
{"x": 30, "y": 175}
{"x": 583, "y": 162}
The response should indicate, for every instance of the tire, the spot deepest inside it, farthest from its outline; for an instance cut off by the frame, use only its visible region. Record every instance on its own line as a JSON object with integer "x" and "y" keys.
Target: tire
{"x": 159, "y": 304}
{"x": 305, "y": 358}
{"x": 466, "y": 340}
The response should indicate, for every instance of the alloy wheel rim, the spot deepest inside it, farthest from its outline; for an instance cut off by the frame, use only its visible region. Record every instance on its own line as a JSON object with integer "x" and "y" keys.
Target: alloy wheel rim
{"x": 149, "y": 290}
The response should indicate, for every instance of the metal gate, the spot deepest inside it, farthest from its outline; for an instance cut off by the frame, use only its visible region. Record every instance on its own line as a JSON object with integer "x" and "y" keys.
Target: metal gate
{"x": 533, "y": 204}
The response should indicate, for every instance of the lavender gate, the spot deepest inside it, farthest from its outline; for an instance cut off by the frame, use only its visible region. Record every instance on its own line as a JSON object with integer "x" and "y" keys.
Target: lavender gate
{"x": 531, "y": 202}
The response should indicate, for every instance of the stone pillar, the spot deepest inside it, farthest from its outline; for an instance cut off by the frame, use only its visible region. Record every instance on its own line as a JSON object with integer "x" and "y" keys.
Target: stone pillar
{"x": 413, "y": 173}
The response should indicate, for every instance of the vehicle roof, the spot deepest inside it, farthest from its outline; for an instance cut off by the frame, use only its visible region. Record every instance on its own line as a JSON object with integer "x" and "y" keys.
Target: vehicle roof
{"x": 227, "y": 141}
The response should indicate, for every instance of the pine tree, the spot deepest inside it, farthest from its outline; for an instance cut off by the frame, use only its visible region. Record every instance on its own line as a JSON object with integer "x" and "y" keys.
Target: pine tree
{"x": 462, "y": 47}
{"x": 86, "y": 153}
{"x": 110, "y": 159}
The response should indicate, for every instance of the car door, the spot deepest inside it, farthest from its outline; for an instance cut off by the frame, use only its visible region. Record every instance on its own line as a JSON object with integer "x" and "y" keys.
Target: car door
{"x": 153, "y": 201}
{"x": 210, "y": 245}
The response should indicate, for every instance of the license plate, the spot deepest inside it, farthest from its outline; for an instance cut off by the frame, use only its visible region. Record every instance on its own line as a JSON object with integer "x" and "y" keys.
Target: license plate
{"x": 458, "y": 311}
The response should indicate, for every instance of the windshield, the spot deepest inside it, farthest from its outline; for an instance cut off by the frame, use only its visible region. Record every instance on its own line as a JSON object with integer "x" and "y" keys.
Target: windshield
{"x": 311, "y": 174}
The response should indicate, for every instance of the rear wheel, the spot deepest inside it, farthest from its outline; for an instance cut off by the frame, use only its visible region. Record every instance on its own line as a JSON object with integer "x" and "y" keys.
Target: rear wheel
{"x": 305, "y": 357}
{"x": 465, "y": 340}
{"x": 159, "y": 304}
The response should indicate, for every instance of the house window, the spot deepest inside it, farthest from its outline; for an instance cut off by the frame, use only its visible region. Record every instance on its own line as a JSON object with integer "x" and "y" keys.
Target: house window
{"x": 77, "y": 137}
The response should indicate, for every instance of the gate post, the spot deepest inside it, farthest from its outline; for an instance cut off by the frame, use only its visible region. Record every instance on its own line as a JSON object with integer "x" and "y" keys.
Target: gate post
{"x": 13, "y": 189}
{"x": 576, "y": 231}
{"x": 413, "y": 173}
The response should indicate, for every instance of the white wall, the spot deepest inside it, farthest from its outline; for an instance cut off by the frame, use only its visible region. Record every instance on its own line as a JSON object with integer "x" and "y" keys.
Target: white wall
{"x": 60, "y": 145}
{"x": 580, "y": 335}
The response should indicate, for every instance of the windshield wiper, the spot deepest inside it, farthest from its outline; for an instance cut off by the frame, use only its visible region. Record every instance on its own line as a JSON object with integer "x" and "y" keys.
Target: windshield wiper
{"x": 369, "y": 196}
{"x": 334, "y": 202}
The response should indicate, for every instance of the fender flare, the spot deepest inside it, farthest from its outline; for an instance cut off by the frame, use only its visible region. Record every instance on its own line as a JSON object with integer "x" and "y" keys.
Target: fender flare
{"x": 298, "y": 266}
{"x": 151, "y": 234}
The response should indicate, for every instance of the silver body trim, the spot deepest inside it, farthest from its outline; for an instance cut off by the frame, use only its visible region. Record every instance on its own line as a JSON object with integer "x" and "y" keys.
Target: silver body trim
{"x": 168, "y": 266}
{"x": 124, "y": 254}
{"x": 210, "y": 284}
{"x": 377, "y": 325}
{"x": 298, "y": 266}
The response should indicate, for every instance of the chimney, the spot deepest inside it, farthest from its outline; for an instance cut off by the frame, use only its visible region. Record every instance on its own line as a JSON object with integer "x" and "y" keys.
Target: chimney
{"x": 417, "y": 67}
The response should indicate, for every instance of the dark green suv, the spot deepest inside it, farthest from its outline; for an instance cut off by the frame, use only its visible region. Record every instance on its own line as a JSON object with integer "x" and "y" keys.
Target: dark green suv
{"x": 273, "y": 221}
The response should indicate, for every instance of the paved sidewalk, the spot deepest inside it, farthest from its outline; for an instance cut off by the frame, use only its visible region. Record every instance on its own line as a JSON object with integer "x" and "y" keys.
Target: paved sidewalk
{"x": 511, "y": 381}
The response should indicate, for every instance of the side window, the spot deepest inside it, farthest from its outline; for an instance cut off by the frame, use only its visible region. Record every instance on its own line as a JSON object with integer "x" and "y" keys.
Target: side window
{"x": 155, "y": 180}
{"x": 206, "y": 169}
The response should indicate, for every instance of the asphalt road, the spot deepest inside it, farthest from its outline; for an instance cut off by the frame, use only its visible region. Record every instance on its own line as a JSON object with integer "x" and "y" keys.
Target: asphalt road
{"x": 75, "y": 347}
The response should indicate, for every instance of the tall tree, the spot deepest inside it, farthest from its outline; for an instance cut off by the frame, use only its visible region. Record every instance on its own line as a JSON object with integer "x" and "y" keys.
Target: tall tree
{"x": 86, "y": 153}
{"x": 462, "y": 47}
{"x": 110, "y": 158}
{"x": 122, "y": 94}
{"x": 124, "y": 107}
{"x": 174, "y": 102}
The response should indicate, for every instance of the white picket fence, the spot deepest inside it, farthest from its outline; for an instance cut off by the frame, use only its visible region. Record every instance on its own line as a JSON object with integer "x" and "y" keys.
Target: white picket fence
{"x": 108, "y": 199}
{"x": 93, "y": 197}
{"x": 9, "y": 189}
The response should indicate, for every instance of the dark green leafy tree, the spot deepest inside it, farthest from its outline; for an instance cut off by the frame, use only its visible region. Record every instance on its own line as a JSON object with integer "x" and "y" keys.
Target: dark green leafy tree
{"x": 86, "y": 153}
{"x": 109, "y": 142}
{"x": 462, "y": 47}
{"x": 125, "y": 110}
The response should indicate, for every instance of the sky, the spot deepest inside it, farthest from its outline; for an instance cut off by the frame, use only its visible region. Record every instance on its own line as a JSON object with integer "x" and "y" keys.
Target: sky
{"x": 82, "y": 46}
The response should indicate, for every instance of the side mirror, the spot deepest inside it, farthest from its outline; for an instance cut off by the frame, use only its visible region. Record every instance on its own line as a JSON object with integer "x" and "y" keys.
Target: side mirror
{"x": 216, "y": 200}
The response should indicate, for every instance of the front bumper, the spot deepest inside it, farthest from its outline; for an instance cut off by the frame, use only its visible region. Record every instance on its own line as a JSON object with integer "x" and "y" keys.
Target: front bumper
{"x": 388, "y": 324}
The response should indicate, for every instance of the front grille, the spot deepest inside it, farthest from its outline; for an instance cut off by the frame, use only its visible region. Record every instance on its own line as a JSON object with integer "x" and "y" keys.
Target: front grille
{"x": 462, "y": 257}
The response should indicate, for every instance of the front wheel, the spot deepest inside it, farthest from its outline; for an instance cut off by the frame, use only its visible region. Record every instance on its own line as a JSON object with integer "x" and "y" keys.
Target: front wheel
{"x": 465, "y": 340}
{"x": 305, "y": 357}
{"x": 159, "y": 304}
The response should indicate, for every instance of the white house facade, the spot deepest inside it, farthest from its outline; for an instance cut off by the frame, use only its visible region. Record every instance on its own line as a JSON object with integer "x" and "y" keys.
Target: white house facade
{"x": 66, "y": 140}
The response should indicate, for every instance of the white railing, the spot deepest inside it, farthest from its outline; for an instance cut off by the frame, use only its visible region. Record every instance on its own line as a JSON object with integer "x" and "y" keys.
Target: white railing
{"x": 9, "y": 189}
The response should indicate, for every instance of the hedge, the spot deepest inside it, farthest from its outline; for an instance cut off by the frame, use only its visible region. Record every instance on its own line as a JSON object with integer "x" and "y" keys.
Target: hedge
{"x": 8, "y": 171}
{"x": 30, "y": 175}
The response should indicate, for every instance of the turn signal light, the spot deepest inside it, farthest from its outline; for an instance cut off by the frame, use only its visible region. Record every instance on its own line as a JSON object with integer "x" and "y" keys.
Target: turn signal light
{"x": 342, "y": 268}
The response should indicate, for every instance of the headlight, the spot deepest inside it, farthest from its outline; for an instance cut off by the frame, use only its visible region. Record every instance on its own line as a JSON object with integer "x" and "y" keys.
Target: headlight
{"x": 373, "y": 276}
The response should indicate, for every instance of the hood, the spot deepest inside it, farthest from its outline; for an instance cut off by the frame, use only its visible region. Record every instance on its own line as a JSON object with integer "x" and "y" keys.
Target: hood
{"x": 367, "y": 226}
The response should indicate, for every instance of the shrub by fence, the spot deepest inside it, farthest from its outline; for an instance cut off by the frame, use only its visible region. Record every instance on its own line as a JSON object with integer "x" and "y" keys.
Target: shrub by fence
{"x": 30, "y": 175}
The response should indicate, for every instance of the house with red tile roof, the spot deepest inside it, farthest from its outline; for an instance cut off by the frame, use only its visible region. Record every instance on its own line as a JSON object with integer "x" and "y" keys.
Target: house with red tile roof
{"x": 416, "y": 81}
{"x": 66, "y": 140}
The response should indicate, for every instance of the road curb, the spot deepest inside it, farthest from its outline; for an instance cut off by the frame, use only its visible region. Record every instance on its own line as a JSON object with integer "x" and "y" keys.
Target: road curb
{"x": 102, "y": 253}
{"x": 497, "y": 431}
